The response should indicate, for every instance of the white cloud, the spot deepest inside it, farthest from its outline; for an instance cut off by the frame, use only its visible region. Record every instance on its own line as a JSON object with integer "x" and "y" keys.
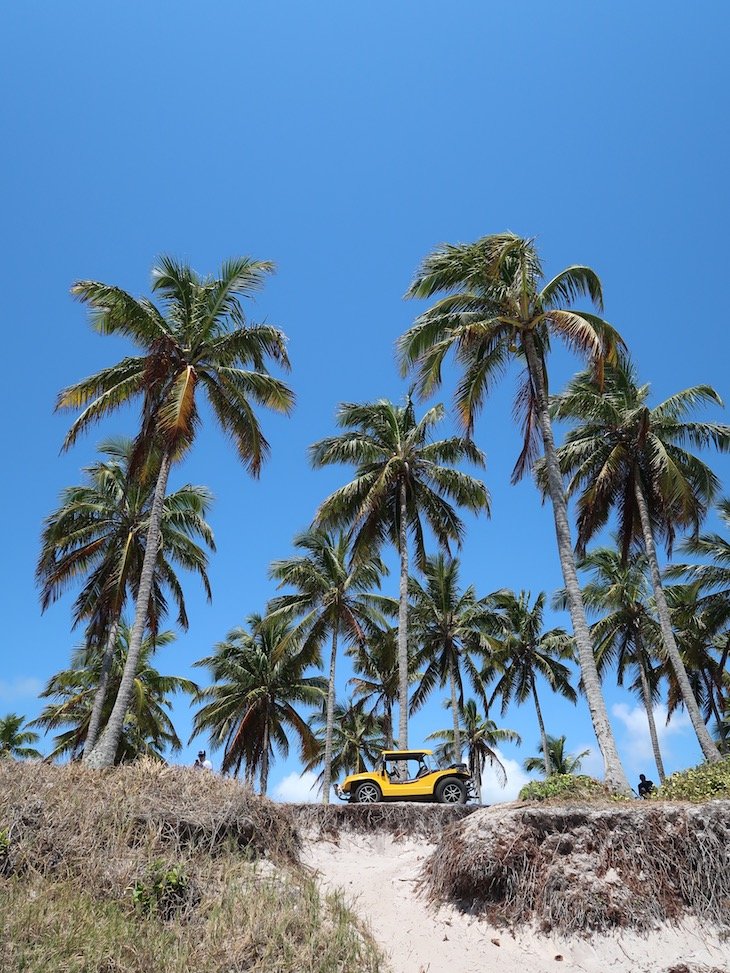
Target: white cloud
{"x": 298, "y": 788}
{"x": 636, "y": 742}
{"x": 21, "y": 687}
{"x": 492, "y": 793}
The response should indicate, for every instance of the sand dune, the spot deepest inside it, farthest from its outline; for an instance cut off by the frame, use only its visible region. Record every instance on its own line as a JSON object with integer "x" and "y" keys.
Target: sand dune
{"x": 380, "y": 877}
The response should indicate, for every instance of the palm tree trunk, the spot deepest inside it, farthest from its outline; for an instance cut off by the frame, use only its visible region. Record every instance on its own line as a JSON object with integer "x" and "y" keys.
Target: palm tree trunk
{"x": 105, "y": 750}
{"x": 100, "y": 698}
{"x": 388, "y": 725}
{"x": 327, "y": 774}
{"x": 455, "y": 712}
{"x": 709, "y": 749}
{"x": 723, "y": 702}
{"x": 614, "y": 772}
{"x": 403, "y": 626}
{"x": 710, "y": 687}
{"x": 646, "y": 696}
{"x": 543, "y": 734}
{"x": 724, "y": 657}
{"x": 264, "y": 776}
{"x": 475, "y": 769}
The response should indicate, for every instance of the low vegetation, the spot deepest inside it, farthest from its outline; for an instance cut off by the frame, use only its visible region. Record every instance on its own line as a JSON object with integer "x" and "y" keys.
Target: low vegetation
{"x": 258, "y": 923}
{"x": 566, "y": 787}
{"x": 159, "y": 868}
{"x": 153, "y": 867}
{"x": 704, "y": 783}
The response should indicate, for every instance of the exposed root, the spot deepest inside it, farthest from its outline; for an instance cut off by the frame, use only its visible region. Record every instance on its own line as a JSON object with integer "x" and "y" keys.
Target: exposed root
{"x": 588, "y": 868}
{"x": 683, "y": 968}
{"x": 401, "y": 819}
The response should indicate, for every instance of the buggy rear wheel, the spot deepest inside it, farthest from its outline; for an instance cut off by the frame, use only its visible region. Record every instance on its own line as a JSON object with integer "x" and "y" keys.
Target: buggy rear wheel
{"x": 451, "y": 791}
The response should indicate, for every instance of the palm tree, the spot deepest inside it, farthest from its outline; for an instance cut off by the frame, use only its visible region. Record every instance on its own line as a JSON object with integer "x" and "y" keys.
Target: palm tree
{"x": 376, "y": 679}
{"x": 402, "y": 477}
{"x": 357, "y": 740}
{"x": 523, "y": 651}
{"x": 449, "y": 627}
{"x": 482, "y": 736}
{"x": 259, "y": 681}
{"x": 198, "y": 340}
{"x": 622, "y": 454}
{"x": 498, "y": 308}
{"x": 98, "y": 534}
{"x": 148, "y": 729}
{"x": 626, "y": 635}
{"x": 702, "y": 639}
{"x": 560, "y": 761}
{"x": 722, "y": 726}
{"x": 713, "y": 579}
{"x": 15, "y": 742}
{"x": 710, "y": 585}
{"x": 330, "y": 597}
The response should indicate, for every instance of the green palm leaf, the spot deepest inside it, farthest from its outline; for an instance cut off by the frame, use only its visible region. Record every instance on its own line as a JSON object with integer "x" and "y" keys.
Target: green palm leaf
{"x": 403, "y": 477}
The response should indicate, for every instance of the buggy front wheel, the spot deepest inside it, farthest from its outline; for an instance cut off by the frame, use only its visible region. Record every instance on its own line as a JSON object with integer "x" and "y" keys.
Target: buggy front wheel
{"x": 367, "y": 793}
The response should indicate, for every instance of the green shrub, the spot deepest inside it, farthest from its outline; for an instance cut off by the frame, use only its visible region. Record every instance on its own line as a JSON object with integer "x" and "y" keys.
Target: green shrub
{"x": 164, "y": 891}
{"x": 564, "y": 787}
{"x": 706, "y": 782}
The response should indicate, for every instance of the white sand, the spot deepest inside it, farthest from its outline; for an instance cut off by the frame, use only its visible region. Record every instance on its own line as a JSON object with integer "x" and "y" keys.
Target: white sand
{"x": 379, "y": 877}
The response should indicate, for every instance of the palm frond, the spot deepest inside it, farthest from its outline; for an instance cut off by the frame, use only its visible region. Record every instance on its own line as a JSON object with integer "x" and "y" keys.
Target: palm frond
{"x": 571, "y": 283}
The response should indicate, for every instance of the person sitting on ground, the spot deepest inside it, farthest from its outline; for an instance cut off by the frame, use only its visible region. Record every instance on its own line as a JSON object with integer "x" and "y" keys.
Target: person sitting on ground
{"x": 645, "y": 786}
{"x": 201, "y": 763}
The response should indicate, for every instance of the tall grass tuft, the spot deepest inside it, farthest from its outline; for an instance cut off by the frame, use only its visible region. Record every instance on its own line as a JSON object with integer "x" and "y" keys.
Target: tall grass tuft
{"x": 149, "y": 867}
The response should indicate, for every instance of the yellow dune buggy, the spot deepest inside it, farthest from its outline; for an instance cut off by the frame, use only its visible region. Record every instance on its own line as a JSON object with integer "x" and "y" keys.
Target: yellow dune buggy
{"x": 407, "y": 775}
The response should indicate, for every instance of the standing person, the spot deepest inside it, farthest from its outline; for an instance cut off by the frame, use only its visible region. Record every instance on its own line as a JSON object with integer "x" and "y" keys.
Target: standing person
{"x": 201, "y": 763}
{"x": 645, "y": 786}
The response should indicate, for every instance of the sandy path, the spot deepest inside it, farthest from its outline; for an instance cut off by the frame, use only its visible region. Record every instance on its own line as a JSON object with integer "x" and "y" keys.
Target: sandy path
{"x": 379, "y": 878}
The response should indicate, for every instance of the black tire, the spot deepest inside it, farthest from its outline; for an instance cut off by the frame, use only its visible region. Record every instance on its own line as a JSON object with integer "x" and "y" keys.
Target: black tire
{"x": 368, "y": 793}
{"x": 451, "y": 790}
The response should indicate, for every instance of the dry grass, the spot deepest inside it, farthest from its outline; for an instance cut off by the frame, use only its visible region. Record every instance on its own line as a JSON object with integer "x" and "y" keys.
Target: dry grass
{"x": 402, "y": 819}
{"x": 98, "y": 827}
{"x": 259, "y": 925}
{"x": 80, "y": 841}
{"x": 589, "y": 868}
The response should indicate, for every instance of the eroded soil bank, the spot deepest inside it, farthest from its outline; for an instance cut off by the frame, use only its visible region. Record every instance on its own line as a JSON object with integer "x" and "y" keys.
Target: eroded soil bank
{"x": 438, "y": 897}
{"x": 152, "y": 867}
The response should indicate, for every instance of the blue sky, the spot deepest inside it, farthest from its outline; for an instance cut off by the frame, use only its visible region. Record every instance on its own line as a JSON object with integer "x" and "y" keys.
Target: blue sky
{"x": 344, "y": 141}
